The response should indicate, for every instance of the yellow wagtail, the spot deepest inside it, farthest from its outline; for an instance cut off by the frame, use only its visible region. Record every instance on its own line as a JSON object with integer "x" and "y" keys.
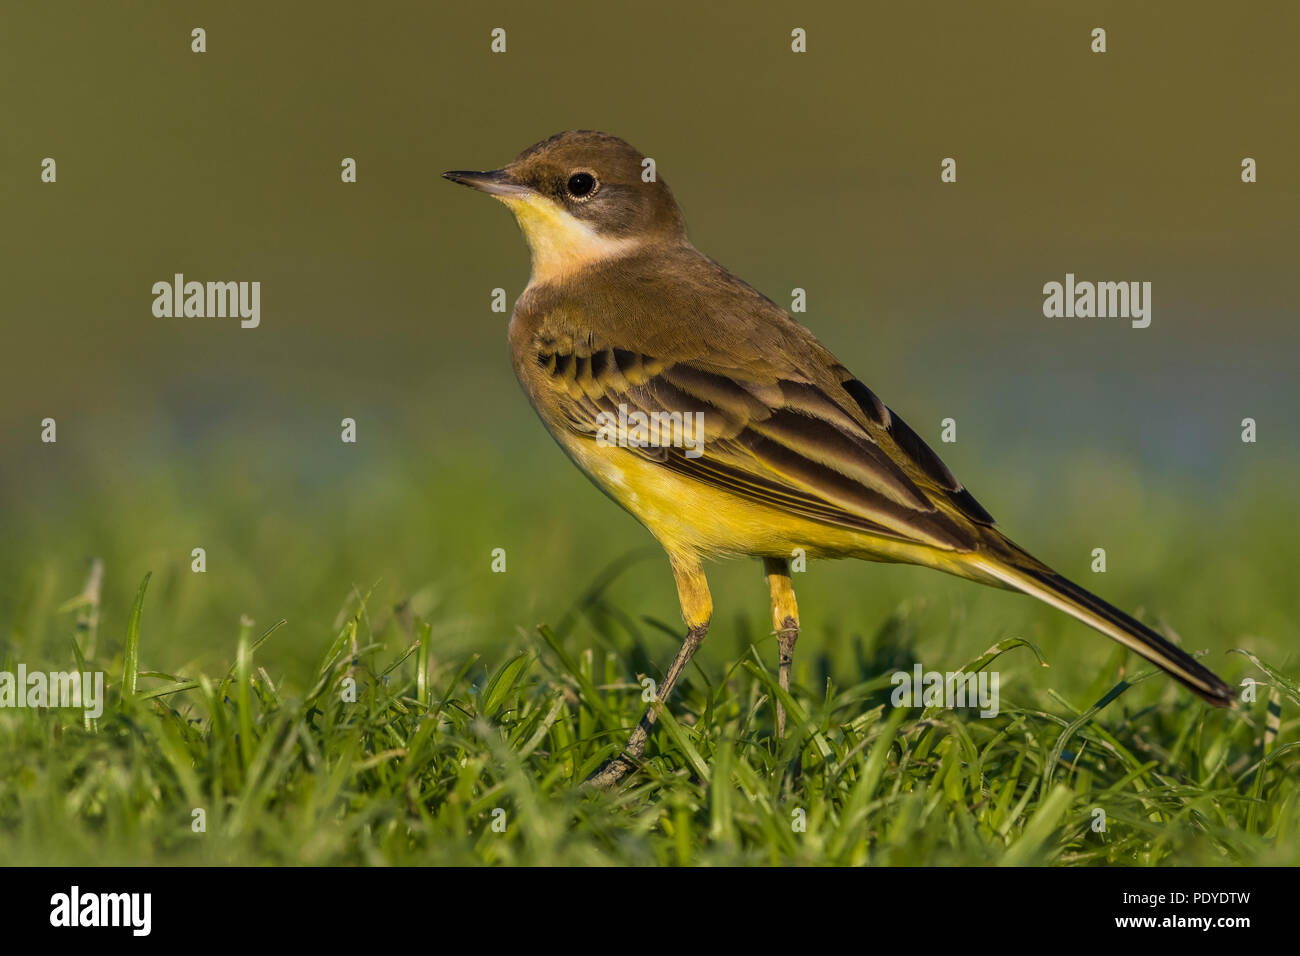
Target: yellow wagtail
{"x": 723, "y": 425}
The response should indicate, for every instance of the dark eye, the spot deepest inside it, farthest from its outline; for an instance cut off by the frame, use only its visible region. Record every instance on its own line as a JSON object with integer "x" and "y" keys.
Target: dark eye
{"x": 581, "y": 185}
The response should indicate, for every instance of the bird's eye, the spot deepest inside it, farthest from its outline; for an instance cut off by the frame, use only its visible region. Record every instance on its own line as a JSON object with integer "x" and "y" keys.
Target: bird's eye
{"x": 582, "y": 185}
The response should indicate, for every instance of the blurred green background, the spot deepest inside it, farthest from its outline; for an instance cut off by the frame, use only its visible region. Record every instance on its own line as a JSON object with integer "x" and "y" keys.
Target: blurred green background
{"x": 818, "y": 170}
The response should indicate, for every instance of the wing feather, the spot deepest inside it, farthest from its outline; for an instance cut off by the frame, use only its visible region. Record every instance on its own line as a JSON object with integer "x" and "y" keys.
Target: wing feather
{"x": 836, "y": 455}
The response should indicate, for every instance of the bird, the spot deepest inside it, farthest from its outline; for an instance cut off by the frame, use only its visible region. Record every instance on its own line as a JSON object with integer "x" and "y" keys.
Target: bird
{"x": 723, "y": 425}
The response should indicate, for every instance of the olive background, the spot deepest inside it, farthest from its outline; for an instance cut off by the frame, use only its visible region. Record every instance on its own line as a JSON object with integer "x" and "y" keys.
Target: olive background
{"x": 816, "y": 170}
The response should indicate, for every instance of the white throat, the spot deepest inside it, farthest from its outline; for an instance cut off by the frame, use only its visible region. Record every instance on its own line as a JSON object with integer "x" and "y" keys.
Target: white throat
{"x": 561, "y": 244}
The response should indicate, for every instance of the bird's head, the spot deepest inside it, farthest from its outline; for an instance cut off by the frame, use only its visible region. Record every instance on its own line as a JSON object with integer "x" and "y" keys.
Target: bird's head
{"x": 581, "y": 197}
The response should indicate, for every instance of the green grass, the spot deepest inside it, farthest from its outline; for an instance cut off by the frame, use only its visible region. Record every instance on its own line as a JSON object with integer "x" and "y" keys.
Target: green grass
{"x": 392, "y": 756}
{"x": 413, "y": 698}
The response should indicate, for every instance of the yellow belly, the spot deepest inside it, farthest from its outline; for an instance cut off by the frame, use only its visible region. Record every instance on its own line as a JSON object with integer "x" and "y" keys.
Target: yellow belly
{"x": 689, "y": 517}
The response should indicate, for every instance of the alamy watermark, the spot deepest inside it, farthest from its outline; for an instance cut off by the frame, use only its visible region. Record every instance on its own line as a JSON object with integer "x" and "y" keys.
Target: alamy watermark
{"x": 1102, "y": 300}
{"x": 133, "y": 911}
{"x": 208, "y": 300}
{"x": 651, "y": 430}
{"x": 922, "y": 688}
{"x": 37, "y": 689}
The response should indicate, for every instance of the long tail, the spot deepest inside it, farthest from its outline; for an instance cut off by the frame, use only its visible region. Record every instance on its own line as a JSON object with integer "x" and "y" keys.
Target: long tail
{"x": 1022, "y": 572}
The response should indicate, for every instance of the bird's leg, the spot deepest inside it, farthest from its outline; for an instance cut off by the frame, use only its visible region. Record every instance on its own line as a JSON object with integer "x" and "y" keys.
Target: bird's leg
{"x": 785, "y": 621}
{"x": 697, "y": 609}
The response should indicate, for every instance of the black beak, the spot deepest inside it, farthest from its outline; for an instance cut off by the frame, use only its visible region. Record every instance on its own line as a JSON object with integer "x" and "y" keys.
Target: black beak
{"x": 496, "y": 182}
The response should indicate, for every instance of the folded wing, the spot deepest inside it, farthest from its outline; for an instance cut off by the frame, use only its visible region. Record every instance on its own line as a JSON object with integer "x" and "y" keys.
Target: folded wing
{"x": 829, "y": 451}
